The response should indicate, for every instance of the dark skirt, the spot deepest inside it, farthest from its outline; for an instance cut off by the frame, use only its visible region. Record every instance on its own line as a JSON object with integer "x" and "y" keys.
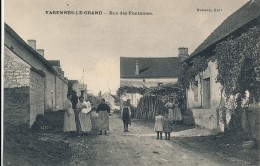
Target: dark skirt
{"x": 127, "y": 120}
{"x": 167, "y": 128}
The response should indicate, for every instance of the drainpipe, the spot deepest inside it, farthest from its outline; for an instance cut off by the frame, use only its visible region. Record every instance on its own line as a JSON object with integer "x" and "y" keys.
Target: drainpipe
{"x": 201, "y": 86}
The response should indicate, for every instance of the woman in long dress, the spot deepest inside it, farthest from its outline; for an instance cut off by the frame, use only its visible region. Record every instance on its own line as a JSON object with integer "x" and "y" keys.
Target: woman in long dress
{"x": 103, "y": 110}
{"x": 177, "y": 114}
{"x": 94, "y": 119}
{"x": 170, "y": 107}
{"x": 84, "y": 117}
{"x": 69, "y": 116}
{"x": 78, "y": 109}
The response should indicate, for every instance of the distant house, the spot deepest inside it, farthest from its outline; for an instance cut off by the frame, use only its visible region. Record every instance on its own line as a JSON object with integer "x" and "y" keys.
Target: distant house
{"x": 203, "y": 97}
{"x": 31, "y": 84}
{"x": 79, "y": 88}
{"x": 111, "y": 99}
{"x": 149, "y": 72}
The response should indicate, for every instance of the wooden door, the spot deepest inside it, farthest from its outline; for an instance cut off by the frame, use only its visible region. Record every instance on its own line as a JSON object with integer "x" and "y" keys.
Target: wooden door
{"x": 206, "y": 93}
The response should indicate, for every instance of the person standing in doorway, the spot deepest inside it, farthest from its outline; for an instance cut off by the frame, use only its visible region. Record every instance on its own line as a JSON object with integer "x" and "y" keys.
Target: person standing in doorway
{"x": 103, "y": 110}
{"x": 126, "y": 116}
{"x": 177, "y": 114}
{"x": 170, "y": 108}
{"x": 69, "y": 116}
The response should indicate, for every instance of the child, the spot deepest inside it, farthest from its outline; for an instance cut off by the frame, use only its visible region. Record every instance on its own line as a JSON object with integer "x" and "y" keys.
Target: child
{"x": 167, "y": 129}
{"x": 158, "y": 127}
{"x": 126, "y": 115}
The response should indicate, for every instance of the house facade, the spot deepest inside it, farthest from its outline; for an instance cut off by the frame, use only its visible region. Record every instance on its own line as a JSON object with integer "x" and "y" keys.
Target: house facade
{"x": 149, "y": 72}
{"x": 111, "y": 99}
{"x": 204, "y": 95}
{"x": 31, "y": 84}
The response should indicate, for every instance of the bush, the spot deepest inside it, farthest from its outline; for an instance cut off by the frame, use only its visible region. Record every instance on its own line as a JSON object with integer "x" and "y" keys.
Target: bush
{"x": 41, "y": 123}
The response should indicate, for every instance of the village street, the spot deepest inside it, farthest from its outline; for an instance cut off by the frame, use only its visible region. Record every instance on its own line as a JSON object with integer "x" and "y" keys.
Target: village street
{"x": 137, "y": 147}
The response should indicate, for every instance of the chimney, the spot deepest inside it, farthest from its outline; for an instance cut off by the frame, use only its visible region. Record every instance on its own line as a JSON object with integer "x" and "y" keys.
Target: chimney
{"x": 62, "y": 74}
{"x": 32, "y": 43}
{"x": 41, "y": 52}
{"x": 136, "y": 67}
{"x": 183, "y": 52}
{"x": 59, "y": 70}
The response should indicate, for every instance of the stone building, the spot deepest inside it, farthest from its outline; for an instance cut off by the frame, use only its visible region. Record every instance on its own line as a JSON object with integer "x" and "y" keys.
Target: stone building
{"x": 79, "y": 88}
{"x": 31, "y": 84}
{"x": 111, "y": 100}
{"x": 149, "y": 72}
{"x": 203, "y": 97}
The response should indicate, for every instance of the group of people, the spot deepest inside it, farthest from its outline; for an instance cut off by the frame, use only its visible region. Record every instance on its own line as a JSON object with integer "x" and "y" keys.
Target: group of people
{"x": 78, "y": 119}
{"x": 164, "y": 121}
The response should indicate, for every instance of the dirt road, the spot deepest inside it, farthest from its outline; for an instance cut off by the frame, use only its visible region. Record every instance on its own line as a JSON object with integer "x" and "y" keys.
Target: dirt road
{"x": 137, "y": 147}
{"x": 188, "y": 146}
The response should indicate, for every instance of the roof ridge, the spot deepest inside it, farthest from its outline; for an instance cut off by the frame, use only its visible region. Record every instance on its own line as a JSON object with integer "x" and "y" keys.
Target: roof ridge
{"x": 150, "y": 57}
{"x": 235, "y": 21}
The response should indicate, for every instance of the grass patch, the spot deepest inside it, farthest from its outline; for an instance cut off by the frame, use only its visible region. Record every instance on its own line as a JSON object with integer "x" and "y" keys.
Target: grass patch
{"x": 24, "y": 147}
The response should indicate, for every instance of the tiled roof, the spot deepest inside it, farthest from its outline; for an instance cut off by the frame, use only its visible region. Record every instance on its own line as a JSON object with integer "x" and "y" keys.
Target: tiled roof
{"x": 246, "y": 14}
{"x": 73, "y": 81}
{"x": 114, "y": 96}
{"x": 9, "y": 30}
{"x": 167, "y": 67}
{"x": 12, "y": 33}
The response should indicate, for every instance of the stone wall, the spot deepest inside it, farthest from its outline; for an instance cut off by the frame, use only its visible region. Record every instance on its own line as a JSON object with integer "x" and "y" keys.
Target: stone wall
{"x": 36, "y": 95}
{"x": 16, "y": 71}
{"x": 61, "y": 93}
{"x": 24, "y": 90}
{"x": 16, "y": 106}
{"x": 215, "y": 89}
{"x": 33, "y": 58}
{"x": 64, "y": 93}
{"x": 206, "y": 118}
{"x": 251, "y": 122}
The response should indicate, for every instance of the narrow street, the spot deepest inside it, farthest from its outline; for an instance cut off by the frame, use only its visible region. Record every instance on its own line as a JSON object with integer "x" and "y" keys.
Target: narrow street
{"x": 137, "y": 147}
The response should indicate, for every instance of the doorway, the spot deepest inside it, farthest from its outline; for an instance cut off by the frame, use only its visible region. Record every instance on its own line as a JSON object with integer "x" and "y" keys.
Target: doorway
{"x": 206, "y": 93}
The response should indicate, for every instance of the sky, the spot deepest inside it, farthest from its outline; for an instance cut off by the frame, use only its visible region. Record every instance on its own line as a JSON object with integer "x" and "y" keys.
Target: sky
{"x": 95, "y": 43}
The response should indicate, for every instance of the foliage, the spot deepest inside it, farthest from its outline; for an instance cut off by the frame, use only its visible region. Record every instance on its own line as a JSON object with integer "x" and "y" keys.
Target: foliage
{"x": 94, "y": 100}
{"x": 129, "y": 89}
{"x": 152, "y": 100}
{"x": 148, "y": 107}
{"x": 27, "y": 147}
{"x": 175, "y": 90}
{"x": 238, "y": 61}
{"x": 41, "y": 120}
{"x": 191, "y": 70}
{"x": 165, "y": 89}
{"x": 238, "y": 64}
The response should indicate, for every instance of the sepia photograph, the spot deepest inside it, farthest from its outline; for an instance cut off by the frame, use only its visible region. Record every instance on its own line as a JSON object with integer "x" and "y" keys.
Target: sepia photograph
{"x": 123, "y": 83}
